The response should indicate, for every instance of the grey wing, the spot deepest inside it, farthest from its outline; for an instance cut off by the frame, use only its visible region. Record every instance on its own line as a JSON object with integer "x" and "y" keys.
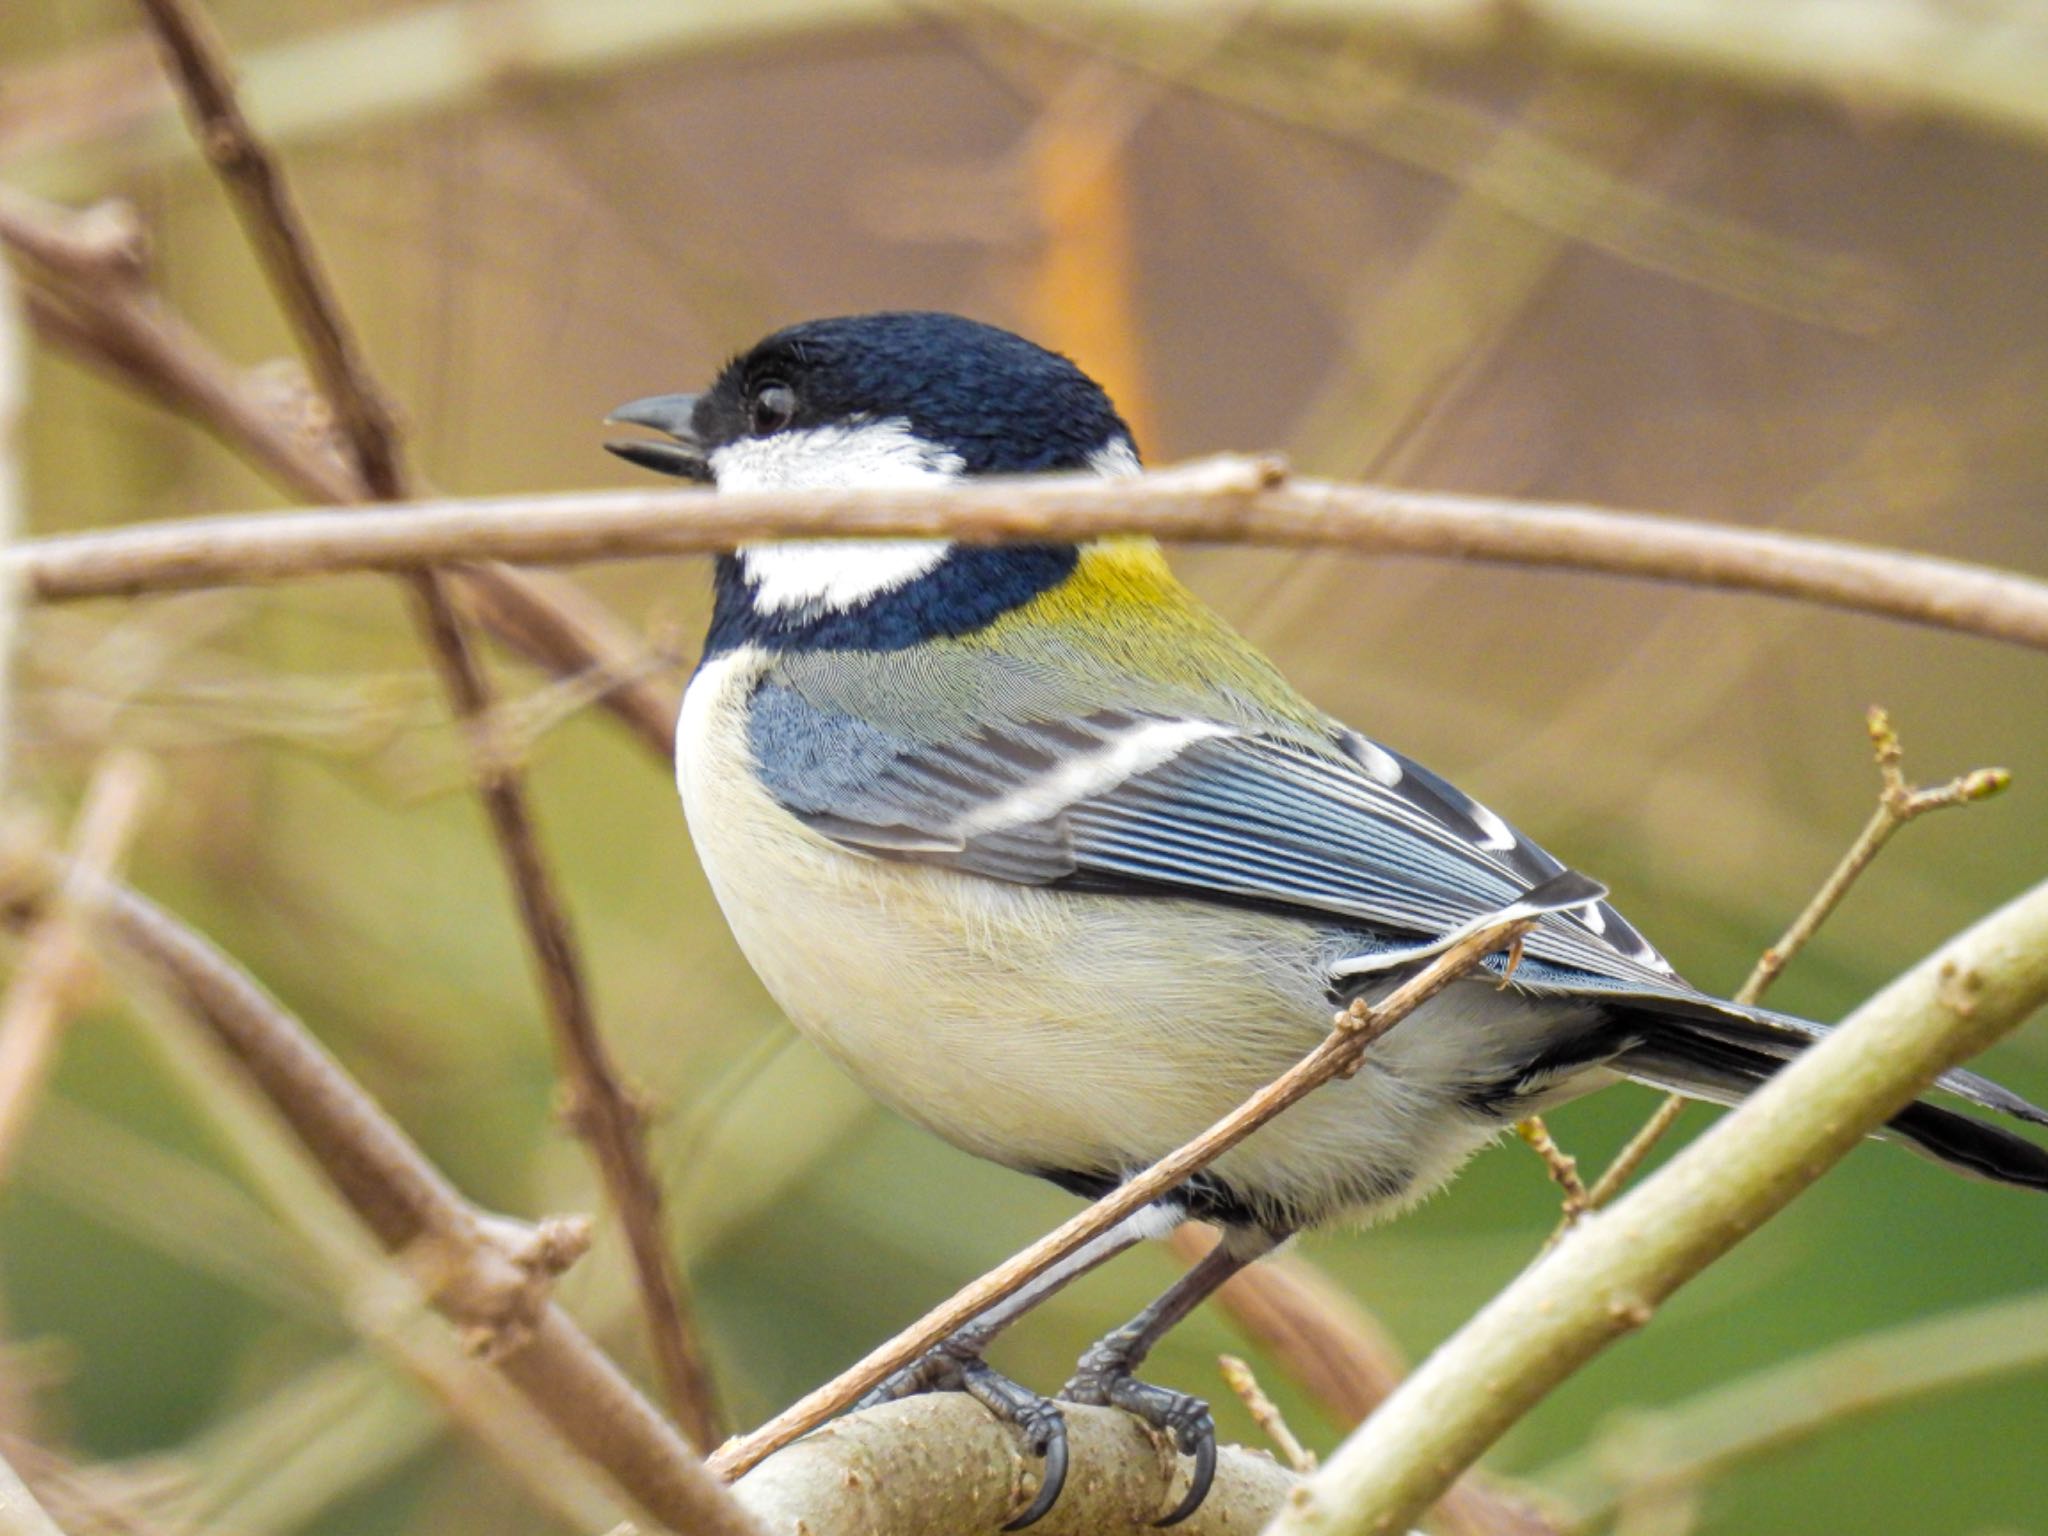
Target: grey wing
{"x": 1118, "y": 800}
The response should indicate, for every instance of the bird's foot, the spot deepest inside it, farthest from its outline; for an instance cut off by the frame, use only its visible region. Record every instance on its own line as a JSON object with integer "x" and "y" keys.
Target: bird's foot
{"x": 1103, "y": 1379}
{"x": 954, "y": 1367}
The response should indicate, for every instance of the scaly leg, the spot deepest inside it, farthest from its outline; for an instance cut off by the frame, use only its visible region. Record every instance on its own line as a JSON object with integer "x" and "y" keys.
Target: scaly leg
{"x": 1105, "y": 1376}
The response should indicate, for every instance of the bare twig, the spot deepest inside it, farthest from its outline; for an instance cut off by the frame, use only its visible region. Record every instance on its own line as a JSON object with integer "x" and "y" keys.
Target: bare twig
{"x": 484, "y": 1273}
{"x": 53, "y": 962}
{"x": 1691, "y": 1442}
{"x": 1897, "y": 803}
{"x": 1265, "y": 1412}
{"x": 1563, "y": 1167}
{"x": 1610, "y": 1273}
{"x": 1340, "y": 1356}
{"x": 601, "y": 1112}
{"x": 1243, "y": 500}
{"x": 1340, "y": 1053}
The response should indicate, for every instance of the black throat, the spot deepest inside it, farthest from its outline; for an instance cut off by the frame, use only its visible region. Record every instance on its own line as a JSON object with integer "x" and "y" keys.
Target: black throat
{"x": 972, "y": 587}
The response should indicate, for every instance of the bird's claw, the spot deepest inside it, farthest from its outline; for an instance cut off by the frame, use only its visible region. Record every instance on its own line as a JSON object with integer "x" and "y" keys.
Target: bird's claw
{"x": 1110, "y": 1384}
{"x": 948, "y": 1367}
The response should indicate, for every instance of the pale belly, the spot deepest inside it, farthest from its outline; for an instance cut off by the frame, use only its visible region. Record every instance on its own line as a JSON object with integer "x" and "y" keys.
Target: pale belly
{"x": 1066, "y": 1033}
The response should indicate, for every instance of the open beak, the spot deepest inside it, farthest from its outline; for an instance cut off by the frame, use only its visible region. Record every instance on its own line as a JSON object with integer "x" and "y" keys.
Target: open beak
{"x": 669, "y": 414}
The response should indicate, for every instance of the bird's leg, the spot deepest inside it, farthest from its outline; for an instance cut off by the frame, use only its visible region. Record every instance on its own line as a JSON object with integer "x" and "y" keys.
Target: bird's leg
{"x": 955, "y": 1364}
{"x": 1105, "y": 1376}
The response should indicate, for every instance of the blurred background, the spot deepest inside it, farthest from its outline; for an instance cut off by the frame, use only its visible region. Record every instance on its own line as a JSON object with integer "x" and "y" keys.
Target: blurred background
{"x": 1776, "y": 265}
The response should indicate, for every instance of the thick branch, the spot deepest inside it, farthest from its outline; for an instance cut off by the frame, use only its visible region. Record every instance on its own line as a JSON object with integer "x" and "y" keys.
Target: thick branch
{"x": 940, "y": 1465}
{"x": 1610, "y": 1274}
{"x": 1223, "y": 499}
{"x": 491, "y": 1284}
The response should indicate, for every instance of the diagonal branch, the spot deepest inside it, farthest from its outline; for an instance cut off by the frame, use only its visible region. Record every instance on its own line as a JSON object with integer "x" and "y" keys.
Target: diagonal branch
{"x": 601, "y": 1112}
{"x": 1898, "y": 802}
{"x": 1612, "y": 1271}
{"x": 1224, "y": 499}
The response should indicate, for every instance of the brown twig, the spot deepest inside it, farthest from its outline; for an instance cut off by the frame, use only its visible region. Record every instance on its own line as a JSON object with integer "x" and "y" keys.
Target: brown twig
{"x": 1340, "y": 1053}
{"x": 1265, "y": 1412}
{"x": 53, "y": 963}
{"x": 601, "y": 1111}
{"x": 489, "y": 1276}
{"x": 1898, "y": 802}
{"x": 1563, "y": 1167}
{"x": 1244, "y": 500}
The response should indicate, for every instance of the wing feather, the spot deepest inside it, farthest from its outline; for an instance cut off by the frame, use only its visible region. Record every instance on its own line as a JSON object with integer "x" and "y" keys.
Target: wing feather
{"x": 1342, "y": 828}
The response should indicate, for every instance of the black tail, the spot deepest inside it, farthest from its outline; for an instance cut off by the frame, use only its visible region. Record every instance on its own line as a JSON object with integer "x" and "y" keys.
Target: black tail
{"x": 1721, "y": 1051}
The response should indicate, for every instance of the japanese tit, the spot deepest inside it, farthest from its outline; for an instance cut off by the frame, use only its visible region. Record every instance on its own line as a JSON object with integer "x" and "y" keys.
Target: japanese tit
{"x": 1059, "y": 867}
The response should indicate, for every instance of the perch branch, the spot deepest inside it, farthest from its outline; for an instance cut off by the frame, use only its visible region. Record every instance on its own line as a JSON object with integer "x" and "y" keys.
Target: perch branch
{"x": 1339, "y": 1054}
{"x": 602, "y": 1113}
{"x": 1235, "y": 499}
{"x": 940, "y": 1465}
{"x": 1898, "y": 802}
{"x": 483, "y": 1273}
{"x": 1611, "y": 1272}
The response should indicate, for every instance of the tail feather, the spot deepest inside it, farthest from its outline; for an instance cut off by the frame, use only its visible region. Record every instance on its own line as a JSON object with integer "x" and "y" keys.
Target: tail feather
{"x": 1721, "y": 1052}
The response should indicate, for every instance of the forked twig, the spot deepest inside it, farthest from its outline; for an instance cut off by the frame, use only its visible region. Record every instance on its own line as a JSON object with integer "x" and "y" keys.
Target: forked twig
{"x": 602, "y": 1112}
{"x": 1898, "y": 802}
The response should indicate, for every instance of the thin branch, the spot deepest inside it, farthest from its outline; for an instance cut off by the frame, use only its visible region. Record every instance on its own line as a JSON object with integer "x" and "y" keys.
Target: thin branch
{"x": 1339, "y": 1055}
{"x": 940, "y": 1465}
{"x": 1340, "y": 1356}
{"x": 53, "y": 961}
{"x": 1689, "y": 1443}
{"x": 1244, "y": 1386}
{"x": 486, "y": 1274}
{"x": 1244, "y": 500}
{"x": 1610, "y": 1273}
{"x": 1897, "y": 803}
{"x": 602, "y": 1112}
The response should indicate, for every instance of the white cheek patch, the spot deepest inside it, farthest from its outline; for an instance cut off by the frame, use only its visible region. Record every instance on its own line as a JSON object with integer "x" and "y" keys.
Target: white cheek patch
{"x": 881, "y": 454}
{"x": 834, "y": 574}
{"x": 1116, "y": 460}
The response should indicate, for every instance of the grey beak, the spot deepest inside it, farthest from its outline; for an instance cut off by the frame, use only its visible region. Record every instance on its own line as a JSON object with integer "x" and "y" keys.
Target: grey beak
{"x": 668, "y": 414}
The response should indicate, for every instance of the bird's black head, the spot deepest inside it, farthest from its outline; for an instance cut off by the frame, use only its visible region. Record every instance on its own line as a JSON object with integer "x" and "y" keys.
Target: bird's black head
{"x": 883, "y": 399}
{"x": 880, "y": 401}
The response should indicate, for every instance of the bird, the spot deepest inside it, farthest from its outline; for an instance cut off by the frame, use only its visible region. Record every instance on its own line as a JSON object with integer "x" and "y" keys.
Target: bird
{"x": 1058, "y": 866}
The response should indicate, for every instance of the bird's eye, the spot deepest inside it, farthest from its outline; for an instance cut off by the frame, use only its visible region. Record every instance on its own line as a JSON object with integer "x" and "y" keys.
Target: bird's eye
{"x": 774, "y": 408}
